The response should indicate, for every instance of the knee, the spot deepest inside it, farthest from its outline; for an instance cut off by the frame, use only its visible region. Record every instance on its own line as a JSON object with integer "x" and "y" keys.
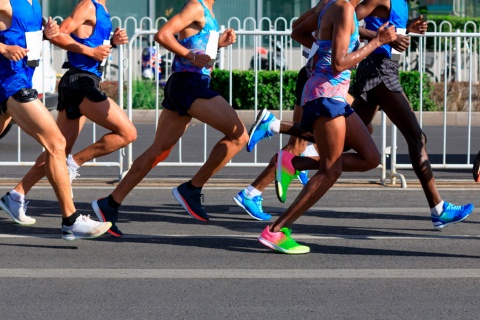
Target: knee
{"x": 333, "y": 173}
{"x": 242, "y": 139}
{"x": 56, "y": 146}
{"x": 296, "y": 145}
{"x": 373, "y": 161}
{"x": 129, "y": 136}
{"x": 417, "y": 141}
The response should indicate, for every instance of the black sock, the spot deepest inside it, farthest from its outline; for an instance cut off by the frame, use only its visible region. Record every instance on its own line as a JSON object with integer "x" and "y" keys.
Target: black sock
{"x": 190, "y": 186}
{"x": 112, "y": 203}
{"x": 70, "y": 220}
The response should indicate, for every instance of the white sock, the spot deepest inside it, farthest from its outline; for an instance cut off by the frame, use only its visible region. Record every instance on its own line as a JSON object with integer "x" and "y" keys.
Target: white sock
{"x": 275, "y": 126}
{"x": 71, "y": 163}
{"x": 16, "y": 196}
{"x": 252, "y": 192}
{"x": 437, "y": 210}
{"x": 310, "y": 151}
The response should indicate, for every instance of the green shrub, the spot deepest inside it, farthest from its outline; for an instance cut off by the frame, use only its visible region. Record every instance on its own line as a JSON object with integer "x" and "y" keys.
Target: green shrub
{"x": 457, "y": 23}
{"x": 143, "y": 96}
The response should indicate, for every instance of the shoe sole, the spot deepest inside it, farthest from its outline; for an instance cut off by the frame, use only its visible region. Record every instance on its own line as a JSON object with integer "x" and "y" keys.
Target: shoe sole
{"x": 277, "y": 248}
{"x": 259, "y": 118}
{"x": 5, "y": 208}
{"x": 101, "y": 218}
{"x": 278, "y": 174}
{"x": 243, "y": 207}
{"x": 476, "y": 168}
{"x": 71, "y": 237}
{"x": 185, "y": 206}
{"x": 450, "y": 223}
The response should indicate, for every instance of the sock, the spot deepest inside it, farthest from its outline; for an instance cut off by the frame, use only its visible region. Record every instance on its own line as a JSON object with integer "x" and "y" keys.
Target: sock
{"x": 70, "y": 220}
{"x": 190, "y": 186}
{"x": 112, "y": 203}
{"x": 251, "y": 192}
{"x": 275, "y": 126}
{"x": 71, "y": 163}
{"x": 310, "y": 151}
{"x": 16, "y": 196}
{"x": 437, "y": 210}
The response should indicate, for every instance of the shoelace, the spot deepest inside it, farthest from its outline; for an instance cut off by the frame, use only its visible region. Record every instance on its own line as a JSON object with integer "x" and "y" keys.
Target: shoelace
{"x": 286, "y": 231}
{"x": 453, "y": 207}
{"x": 258, "y": 201}
{"x": 22, "y": 209}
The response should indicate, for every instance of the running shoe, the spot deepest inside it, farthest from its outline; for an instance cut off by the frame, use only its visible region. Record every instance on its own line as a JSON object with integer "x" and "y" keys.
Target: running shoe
{"x": 282, "y": 241}
{"x": 253, "y": 206}
{"x": 16, "y": 210}
{"x": 303, "y": 177}
{"x": 451, "y": 214}
{"x": 260, "y": 128}
{"x": 284, "y": 174}
{"x": 84, "y": 228}
{"x": 190, "y": 201}
{"x": 476, "y": 168}
{"x": 106, "y": 213}
{"x": 72, "y": 173}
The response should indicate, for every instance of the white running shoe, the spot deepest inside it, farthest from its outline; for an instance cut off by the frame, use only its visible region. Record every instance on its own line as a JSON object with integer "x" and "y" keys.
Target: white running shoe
{"x": 84, "y": 228}
{"x": 16, "y": 210}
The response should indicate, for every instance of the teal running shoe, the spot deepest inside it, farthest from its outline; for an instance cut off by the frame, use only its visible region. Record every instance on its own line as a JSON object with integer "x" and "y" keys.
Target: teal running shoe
{"x": 451, "y": 214}
{"x": 253, "y": 206}
{"x": 260, "y": 128}
{"x": 303, "y": 177}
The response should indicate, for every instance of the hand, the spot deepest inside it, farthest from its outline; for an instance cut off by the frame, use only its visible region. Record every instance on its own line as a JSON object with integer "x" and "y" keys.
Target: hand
{"x": 418, "y": 25}
{"x": 401, "y": 44}
{"x": 51, "y": 29}
{"x": 227, "y": 38}
{"x": 119, "y": 37}
{"x": 14, "y": 53}
{"x": 100, "y": 53}
{"x": 201, "y": 60}
{"x": 386, "y": 34}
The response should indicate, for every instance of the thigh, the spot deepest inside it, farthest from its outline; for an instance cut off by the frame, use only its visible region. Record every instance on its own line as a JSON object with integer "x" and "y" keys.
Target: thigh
{"x": 171, "y": 127}
{"x": 106, "y": 114}
{"x": 218, "y": 114}
{"x": 358, "y": 137}
{"x": 329, "y": 136}
{"x": 70, "y": 128}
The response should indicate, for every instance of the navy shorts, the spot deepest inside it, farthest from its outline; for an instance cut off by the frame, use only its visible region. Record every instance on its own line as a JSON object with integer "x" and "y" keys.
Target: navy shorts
{"x": 323, "y": 107}
{"x": 301, "y": 80}
{"x": 75, "y": 86}
{"x": 183, "y": 88}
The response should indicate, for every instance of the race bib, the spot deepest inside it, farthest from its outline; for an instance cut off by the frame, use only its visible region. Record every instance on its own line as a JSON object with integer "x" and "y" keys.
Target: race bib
{"x": 212, "y": 44}
{"x": 34, "y": 41}
{"x": 105, "y": 43}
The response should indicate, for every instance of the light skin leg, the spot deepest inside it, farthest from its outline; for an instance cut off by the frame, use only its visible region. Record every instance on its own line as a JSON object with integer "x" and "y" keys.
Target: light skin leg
{"x": 35, "y": 120}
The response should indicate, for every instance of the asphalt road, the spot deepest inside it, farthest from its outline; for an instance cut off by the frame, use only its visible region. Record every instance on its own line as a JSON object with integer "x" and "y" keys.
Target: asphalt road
{"x": 374, "y": 252}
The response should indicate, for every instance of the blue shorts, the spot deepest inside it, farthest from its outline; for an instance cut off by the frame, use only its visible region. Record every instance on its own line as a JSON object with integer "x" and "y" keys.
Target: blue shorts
{"x": 323, "y": 107}
{"x": 183, "y": 88}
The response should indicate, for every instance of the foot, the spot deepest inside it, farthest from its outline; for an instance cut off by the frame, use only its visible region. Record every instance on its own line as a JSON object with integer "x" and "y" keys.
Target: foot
{"x": 85, "y": 228}
{"x": 303, "y": 177}
{"x": 190, "y": 201}
{"x": 284, "y": 174}
{"x": 253, "y": 206}
{"x": 16, "y": 210}
{"x": 282, "y": 241}
{"x": 451, "y": 214}
{"x": 260, "y": 129}
{"x": 106, "y": 213}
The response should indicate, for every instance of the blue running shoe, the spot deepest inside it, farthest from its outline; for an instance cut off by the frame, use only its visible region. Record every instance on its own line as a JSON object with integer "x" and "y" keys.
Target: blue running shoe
{"x": 253, "y": 206}
{"x": 106, "y": 213}
{"x": 303, "y": 177}
{"x": 260, "y": 129}
{"x": 190, "y": 201}
{"x": 451, "y": 214}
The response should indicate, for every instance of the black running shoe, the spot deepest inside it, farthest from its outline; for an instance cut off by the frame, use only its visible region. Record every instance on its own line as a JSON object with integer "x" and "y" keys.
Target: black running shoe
{"x": 190, "y": 201}
{"x": 106, "y": 213}
{"x": 476, "y": 168}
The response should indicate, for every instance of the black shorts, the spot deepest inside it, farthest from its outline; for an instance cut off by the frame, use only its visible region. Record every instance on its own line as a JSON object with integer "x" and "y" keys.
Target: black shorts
{"x": 76, "y": 85}
{"x": 183, "y": 88}
{"x": 374, "y": 70}
{"x": 23, "y": 95}
{"x": 301, "y": 80}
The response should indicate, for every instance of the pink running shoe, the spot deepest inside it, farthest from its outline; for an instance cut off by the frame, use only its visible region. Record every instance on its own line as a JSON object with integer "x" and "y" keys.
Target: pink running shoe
{"x": 281, "y": 241}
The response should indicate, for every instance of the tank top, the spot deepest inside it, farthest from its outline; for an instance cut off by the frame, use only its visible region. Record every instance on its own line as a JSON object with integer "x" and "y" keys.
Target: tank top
{"x": 197, "y": 44}
{"x": 398, "y": 17}
{"x": 26, "y": 17}
{"x": 101, "y": 32}
{"x": 324, "y": 82}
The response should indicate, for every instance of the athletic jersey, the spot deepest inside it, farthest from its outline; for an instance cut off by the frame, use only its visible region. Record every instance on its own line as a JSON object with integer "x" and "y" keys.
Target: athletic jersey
{"x": 398, "y": 17}
{"x": 324, "y": 82}
{"x": 101, "y": 32}
{"x": 26, "y": 17}
{"x": 197, "y": 44}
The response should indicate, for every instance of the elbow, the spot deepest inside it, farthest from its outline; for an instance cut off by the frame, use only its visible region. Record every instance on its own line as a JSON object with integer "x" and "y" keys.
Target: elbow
{"x": 159, "y": 38}
{"x": 338, "y": 68}
{"x": 294, "y": 35}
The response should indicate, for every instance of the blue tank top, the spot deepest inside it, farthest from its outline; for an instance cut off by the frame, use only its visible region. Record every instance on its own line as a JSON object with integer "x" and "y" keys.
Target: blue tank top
{"x": 398, "y": 17}
{"x": 14, "y": 76}
{"x": 197, "y": 44}
{"x": 101, "y": 32}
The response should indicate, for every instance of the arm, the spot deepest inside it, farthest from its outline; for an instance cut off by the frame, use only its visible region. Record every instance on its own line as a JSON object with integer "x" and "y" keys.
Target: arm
{"x": 304, "y": 16}
{"x": 342, "y": 29}
{"x": 303, "y": 32}
{"x": 190, "y": 14}
{"x": 80, "y": 15}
